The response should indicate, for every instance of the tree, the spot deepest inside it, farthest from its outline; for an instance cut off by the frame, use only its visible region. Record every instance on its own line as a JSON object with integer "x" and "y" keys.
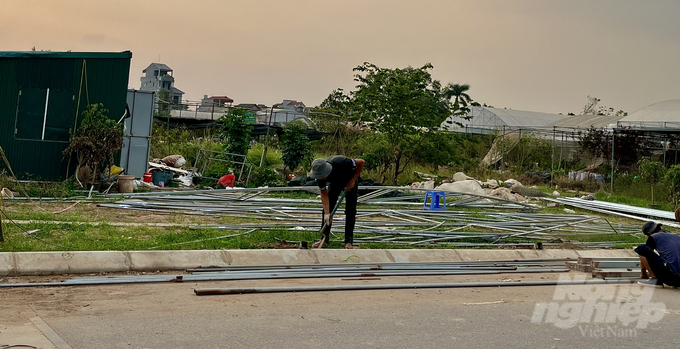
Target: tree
{"x": 163, "y": 100}
{"x": 459, "y": 92}
{"x": 295, "y": 145}
{"x": 404, "y": 107}
{"x": 95, "y": 142}
{"x": 629, "y": 145}
{"x": 337, "y": 102}
{"x": 591, "y": 106}
{"x": 672, "y": 179}
{"x": 236, "y": 131}
{"x": 652, "y": 172}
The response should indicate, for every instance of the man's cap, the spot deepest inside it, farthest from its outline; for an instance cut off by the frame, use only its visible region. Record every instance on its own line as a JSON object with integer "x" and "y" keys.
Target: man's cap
{"x": 320, "y": 169}
{"x": 649, "y": 227}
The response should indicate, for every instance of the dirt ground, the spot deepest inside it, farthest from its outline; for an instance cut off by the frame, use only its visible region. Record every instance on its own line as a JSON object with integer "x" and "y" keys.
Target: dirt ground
{"x": 63, "y": 300}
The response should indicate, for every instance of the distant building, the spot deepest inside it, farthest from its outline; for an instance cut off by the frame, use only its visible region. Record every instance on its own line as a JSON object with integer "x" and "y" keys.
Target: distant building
{"x": 215, "y": 104}
{"x": 285, "y": 112}
{"x": 290, "y": 105}
{"x": 158, "y": 76}
{"x": 251, "y": 107}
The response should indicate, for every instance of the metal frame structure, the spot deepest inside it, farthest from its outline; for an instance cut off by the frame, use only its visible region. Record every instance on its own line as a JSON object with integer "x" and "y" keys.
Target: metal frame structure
{"x": 204, "y": 157}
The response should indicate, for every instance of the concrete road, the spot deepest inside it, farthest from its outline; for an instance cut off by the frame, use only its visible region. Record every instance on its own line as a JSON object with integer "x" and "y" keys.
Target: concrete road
{"x": 172, "y": 316}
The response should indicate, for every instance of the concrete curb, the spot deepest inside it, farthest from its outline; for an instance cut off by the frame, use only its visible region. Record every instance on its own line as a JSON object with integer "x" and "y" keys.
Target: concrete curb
{"x": 79, "y": 262}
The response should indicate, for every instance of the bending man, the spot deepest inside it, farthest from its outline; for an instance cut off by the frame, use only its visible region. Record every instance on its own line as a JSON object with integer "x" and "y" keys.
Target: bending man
{"x": 664, "y": 267}
{"x": 341, "y": 173}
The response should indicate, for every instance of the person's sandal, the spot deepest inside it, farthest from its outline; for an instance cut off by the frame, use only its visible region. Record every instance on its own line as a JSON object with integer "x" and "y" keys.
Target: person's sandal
{"x": 320, "y": 244}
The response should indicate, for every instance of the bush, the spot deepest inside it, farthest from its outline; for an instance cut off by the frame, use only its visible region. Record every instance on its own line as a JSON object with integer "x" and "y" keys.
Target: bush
{"x": 265, "y": 177}
{"x": 236, "y": 131}
{"x": 272, "y": 159}
{"x": 96, "y": 141}
{"x": 295, "y": 146}
{"x": 672, "y": 180}
{"x": 180, "y": 141}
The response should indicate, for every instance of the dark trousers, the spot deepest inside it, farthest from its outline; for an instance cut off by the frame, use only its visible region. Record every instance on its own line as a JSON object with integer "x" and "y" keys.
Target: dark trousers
{"x": 350, "y": 209}
{"x": 659, "y": 267}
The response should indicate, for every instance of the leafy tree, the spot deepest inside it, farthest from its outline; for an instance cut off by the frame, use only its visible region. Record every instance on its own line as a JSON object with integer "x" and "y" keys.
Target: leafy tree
{"x": 331, "y": 117}
{"x": 405, "y": 106}
{"x": 337, "y": 102}
{"x": 295, "y": 145}
{"x": 652, "y": 172}
{"x": 236, "y": 131}
{"x": 95, "y": 142}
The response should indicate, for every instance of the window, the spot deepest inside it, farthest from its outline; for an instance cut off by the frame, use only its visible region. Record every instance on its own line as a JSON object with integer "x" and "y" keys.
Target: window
{"x": 44, "y": 114}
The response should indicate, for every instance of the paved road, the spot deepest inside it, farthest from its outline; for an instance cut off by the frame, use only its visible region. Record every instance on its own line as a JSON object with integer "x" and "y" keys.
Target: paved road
{"x": 171, "y": 316}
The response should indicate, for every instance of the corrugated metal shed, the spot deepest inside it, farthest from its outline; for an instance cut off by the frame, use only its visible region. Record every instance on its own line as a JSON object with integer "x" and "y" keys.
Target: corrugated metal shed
{"x": 41, "y": 93}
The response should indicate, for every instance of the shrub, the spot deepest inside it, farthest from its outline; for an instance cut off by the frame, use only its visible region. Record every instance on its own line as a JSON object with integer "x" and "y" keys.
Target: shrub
{"x": 265, "y": 177}
{"x": 295, "y": 146}
{"x": 236, "y": 131}
{"x": 96, "y": 141}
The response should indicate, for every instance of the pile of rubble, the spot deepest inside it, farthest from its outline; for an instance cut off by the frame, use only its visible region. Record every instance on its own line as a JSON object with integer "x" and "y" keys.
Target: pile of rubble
{"x": 510, "y": 189}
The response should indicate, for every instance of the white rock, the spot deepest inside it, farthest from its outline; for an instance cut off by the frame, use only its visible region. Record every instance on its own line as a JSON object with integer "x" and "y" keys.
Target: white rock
{"x": 556, "y": 193}
{"x": 427, "y": 185}
{"x": 467, "y": 186}
{"x": 460, "y": 176}
{"x": 512, "y": 182}
{"x": 492, "y": 183}
{"x": 569, "y": 210}
{"x": 503, "y": 193}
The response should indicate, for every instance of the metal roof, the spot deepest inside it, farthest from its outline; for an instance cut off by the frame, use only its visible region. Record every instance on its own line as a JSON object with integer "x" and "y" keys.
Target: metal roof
{"x": 51, "y": 54}
{"x": 661, "y": 114}
{"x": 494, "y": 118}
{"x": 585, "y": 121}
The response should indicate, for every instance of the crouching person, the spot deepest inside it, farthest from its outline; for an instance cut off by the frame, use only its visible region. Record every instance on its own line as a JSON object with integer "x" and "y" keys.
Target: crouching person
{"x": 663, "y": 267}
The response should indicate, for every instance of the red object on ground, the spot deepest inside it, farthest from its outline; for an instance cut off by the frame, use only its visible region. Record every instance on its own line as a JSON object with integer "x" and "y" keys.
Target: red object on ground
{"x": 147, "y": 177}
{"x": 227, "y": 180}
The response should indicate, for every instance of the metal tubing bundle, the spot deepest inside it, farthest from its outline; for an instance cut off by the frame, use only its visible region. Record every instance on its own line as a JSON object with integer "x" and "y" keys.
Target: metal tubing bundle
{"x": 408, "y": 224}
{"x": 232, "y": 273}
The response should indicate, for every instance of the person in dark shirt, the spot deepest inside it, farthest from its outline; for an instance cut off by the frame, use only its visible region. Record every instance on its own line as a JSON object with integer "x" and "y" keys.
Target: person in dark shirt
{"x": 340, "y": 174}
{"x": 664, "y": 267}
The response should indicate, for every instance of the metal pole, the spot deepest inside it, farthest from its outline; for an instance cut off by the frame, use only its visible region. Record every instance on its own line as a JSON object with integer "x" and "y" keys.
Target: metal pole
{"x": 552, "y": 165}
{"x": 611, "y": 184}
{"x": 266, "y": 139}
{"x": 217, "y": 291}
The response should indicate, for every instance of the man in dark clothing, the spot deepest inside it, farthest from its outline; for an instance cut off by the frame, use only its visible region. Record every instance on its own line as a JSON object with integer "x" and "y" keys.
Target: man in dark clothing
{"x": 341, "y": 173}
{"x": 664, "y": 267}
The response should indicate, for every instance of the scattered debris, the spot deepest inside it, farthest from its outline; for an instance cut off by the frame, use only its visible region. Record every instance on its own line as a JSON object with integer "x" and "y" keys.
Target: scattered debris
{"x": 460, "y": 176}
{"x": 176, "y": 161}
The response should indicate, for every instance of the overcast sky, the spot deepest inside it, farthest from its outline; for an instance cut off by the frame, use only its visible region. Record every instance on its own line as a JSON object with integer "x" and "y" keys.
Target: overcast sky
{"x": 536, "y": 55}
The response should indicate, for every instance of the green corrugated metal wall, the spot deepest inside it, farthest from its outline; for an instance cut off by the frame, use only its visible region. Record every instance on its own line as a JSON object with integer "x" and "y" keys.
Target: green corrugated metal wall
{"x": 105, "y": 81}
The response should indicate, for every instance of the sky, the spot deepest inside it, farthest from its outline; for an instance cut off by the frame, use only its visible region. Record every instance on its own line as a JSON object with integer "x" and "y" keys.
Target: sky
{"x": 537, "y": 55}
